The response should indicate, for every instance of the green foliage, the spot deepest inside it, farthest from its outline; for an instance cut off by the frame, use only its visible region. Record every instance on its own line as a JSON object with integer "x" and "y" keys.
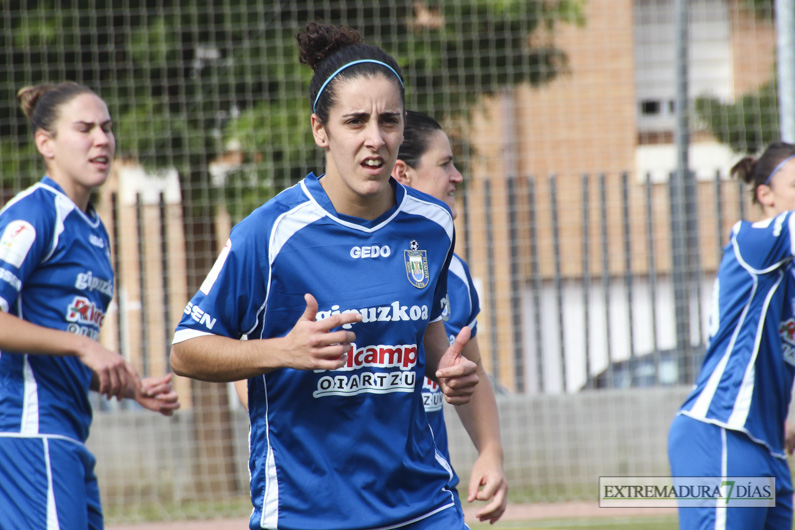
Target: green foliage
{"x": 762, "y": 9}
{"x": 747, "y": 125}
{"x": 183, "y": 80}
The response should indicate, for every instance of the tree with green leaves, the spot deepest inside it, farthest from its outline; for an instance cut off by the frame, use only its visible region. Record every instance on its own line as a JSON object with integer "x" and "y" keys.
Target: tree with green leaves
{"x": 185, "y": 80}
{"x": 451, "y": 53}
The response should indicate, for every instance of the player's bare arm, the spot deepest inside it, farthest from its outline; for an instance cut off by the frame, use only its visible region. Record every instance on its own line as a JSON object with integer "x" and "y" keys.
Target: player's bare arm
{"x": 456, "y": 375}
{"x": 110, "y": 376}
{"x": 310, "y": 345}
{"x": 480, "y": 418}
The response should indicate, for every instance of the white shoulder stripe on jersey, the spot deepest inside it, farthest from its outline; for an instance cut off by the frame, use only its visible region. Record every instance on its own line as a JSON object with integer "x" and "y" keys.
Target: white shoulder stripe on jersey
{"x": 286, "y": 226}
{"x": 752, "y": 270}
{"x": 429, "y": 210}
{"x": 291, "y": 222}
{"x": 21, "y": 195}
{"x": 63, "y": 207}
{"x": 69, "y": 206}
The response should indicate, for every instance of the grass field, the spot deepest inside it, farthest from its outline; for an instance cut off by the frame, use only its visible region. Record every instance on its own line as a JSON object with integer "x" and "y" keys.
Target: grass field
{"x": 600, "y": 523}
{"x": 232, "y": 514}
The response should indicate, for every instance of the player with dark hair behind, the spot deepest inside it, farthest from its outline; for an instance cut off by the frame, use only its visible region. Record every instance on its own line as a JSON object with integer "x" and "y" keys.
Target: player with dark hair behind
{"x": 425, "y": 163}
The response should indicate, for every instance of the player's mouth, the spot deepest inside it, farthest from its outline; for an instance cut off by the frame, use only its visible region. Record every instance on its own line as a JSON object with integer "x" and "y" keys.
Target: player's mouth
{"x": 100, "y": 162}
{"x": 374, "y": 165}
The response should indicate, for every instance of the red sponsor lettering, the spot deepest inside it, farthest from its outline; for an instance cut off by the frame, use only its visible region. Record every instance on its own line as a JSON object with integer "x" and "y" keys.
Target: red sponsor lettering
{"x": 386, "y": 356}
{"x": 83, "y": 311}
{"x": 787, "y": 330}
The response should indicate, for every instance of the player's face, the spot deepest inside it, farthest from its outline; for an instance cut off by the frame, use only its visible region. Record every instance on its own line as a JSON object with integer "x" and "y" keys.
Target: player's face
{"x": 361, "y": 138}
{"x": 436, "y": 174}
{"x": 782, "y": 186}
{"x": 79, "y": 153}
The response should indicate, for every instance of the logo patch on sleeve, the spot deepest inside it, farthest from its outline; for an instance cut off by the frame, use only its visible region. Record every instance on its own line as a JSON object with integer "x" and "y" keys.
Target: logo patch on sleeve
{"x": 16, "y": 241}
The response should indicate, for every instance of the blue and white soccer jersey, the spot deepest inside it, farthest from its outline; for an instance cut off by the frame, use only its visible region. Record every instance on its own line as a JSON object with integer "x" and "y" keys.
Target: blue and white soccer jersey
{"x": 745, "y": 383}
{"x": 349, "y": 448}
{"x": 55, "y": 271}
{"x": 461, "y": 308}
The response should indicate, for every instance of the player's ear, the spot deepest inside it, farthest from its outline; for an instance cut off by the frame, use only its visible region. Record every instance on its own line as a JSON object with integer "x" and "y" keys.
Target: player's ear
{"x": 319, "y": 132}
{"x": 765, "y": 196}
{"x": 43, "y": 141}
{"x": 402, "y": 173}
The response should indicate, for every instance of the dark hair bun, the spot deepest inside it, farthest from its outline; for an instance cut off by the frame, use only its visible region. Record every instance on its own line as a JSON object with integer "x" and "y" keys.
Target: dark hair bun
{"x": 744, "y": 169}
{"x": 319, "y": 41}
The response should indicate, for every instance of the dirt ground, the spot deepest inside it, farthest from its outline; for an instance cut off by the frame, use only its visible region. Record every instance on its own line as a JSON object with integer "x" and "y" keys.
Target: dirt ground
{"x": 515, "y": 512}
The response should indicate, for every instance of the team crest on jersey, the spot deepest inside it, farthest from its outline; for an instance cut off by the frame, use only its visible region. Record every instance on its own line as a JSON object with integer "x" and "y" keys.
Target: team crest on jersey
{"x": 416, "y": 265}
{"x": 787, "y": 332}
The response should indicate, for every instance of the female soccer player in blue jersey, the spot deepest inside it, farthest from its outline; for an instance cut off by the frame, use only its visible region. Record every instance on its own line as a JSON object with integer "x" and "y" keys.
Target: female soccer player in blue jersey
{"x": 338, "y": 284}
{"x": 425, "y": 162}
{"x": 733, "y": 422}
{"x": 56, "y": 283}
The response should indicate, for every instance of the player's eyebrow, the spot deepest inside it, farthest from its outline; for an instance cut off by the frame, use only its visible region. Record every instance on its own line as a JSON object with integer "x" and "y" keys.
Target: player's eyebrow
{"x": 91, "y": 123}
{"x": 367, "y": 114}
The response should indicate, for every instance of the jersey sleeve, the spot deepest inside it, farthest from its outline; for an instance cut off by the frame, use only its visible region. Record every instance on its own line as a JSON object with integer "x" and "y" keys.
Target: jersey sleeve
{"x": 231, "y": 298}
{"x": 26, "y": 239}
{"x": 472, "y": 294}
{"x": 440, "y": 294}
{"x": 765, "y": 244}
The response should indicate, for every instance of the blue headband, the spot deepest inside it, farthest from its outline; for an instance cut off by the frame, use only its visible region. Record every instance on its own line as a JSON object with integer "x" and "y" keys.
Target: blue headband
{"x": 343, "y": 67}
{"x": 778, "y": 167}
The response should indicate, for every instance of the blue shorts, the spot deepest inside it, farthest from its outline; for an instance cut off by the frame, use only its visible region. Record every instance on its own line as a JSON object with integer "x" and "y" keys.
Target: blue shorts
{"x": 48, "y": 483}
{"x": 700, "y": 449}
{"x": 449, "y": 518}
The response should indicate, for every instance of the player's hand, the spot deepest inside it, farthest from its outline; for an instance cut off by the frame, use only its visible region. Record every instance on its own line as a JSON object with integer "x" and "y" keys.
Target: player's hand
{"x": 456, "y": 373}
{"x": 311, "y": 345}
{"x": 789, "y": 437}
{"x": 157, "y": 394}
{"x": 110, "y": 369}
{"x": 487, "y": 483}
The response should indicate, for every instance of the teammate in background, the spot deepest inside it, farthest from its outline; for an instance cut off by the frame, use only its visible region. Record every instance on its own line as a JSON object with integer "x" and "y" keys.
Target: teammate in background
{"x": 56, "y": 282}
{"x": 733, "y": 422}
{"x": 338, "y": 283}
{"x": 425, "y": 162}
